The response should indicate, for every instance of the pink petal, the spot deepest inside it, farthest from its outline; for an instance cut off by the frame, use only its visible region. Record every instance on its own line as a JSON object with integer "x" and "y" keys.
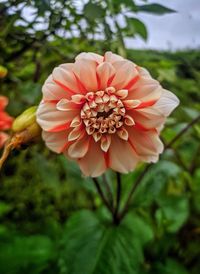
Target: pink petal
{"x": 111, "y": 57}
{"x": 64, "y": 77}
{"x": 105, "y": 72}
{"x": 122, "y": 157}
{"x": 57, "y": 141}
{"x": 52, "y": 91}
{"x": 85, "y": 70}
{"x": 145, "y": 143}
{"x": 125, "y": 72}
{"x": 49, "y": 118}
{"x": 3, "y": 102}
{"x": 90, "y": 56}
{"x": 147, "y": 117}
{"x": 167, "y": 103}
{"x": 93, "y": 163}
{"x": 80, "y": 147}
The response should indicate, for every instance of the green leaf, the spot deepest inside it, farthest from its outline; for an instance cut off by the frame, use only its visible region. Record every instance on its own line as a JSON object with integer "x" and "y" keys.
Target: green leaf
{"x": 173, "y": 213}
{"x": 135, "y": 26}
{"x": 155, "y": 9}
{"x": 91, "y": 245}
{"x": 93, "y": 11}
{"x": 25, "y": 253}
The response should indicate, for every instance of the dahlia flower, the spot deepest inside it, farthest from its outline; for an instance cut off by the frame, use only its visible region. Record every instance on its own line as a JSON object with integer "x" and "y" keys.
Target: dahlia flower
{"x": 5, "y": 120}
{"x": 104, "y": 112}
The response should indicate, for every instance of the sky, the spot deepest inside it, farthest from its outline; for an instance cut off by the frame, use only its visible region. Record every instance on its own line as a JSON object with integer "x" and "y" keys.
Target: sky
{"x": 171, "y": 31}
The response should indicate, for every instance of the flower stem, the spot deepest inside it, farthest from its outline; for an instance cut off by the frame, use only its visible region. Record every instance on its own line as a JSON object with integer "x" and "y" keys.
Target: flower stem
{"x": 118, "y": 197}
{"x": 101, "y": 194}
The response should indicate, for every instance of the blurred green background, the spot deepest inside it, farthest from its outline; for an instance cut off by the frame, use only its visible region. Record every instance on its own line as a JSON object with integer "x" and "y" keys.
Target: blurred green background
{"x": 51, "y": 218}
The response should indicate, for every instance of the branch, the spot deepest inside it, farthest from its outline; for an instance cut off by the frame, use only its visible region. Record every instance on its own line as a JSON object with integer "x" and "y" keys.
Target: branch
{"x": 182, "y": 132}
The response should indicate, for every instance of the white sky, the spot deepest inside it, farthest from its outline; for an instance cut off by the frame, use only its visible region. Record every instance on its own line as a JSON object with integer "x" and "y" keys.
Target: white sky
{"x": 171, "y": 31}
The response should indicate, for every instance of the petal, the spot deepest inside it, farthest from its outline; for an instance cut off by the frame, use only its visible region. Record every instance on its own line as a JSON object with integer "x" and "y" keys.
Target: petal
{"x": 148, "y": 117}
{"x": 122, "y": 157}
{"x": 65, "y": 78}
{"x": 148, "y": 93}
{"x": 111, "y": 57}
{"x": 49, "y": 118}
{"x": 125, "y": 72}
{"x": 122, "y": 133}
{"x": 52, "y": 91}
{"x": 105, "y": 142}
{"x": 130, "y": 104}
{"x": 85, "y": 70}
{"x": 5, "y": 121}
{"x": 145, "y": 143}
{"x": 3, "y": 102}
{"x": 75, "y": 133}
{"x": 167, "y": 103}
{"x": 105, "y": 72}
{"x": 80, "y": 147}
{"x": 93, "y": 163}
{"x": 56, "y": 141}
{"x": 122, "y": 93}
{"x": 66, "y": 105}
{"x": 90, "y": 56}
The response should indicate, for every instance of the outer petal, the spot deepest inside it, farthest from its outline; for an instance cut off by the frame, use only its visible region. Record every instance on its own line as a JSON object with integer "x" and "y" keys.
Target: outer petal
{"x": 147, "y": 117}
{"x": 50, "y": 119}
{"x": 52, "y": 91}
{"x": 105, "y": 72}
{"x": 93, "y": 163}
{"x": 112, "y": 58}
{"x": 65, "y": 78}
{"x": 85, "y": 70}
{"x": 5, "y": 121}
{"x": 167, "y": 103}
{"x": 56, "y": 141}
{"x": 122, "y": 157}
{"x": 90, "y": 56}
{"x": 3, "y": 102}
{"x": 145, "y": 143}
{"x": 125, "y": 72}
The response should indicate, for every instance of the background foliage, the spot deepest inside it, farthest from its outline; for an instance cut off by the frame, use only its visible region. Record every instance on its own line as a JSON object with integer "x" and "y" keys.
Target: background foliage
{"x": 52, "y": 220}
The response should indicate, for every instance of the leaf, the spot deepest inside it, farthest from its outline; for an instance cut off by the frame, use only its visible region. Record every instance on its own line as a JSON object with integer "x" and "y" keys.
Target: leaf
{"x": 93, "y": 11}
{"x": 135, "y": 26}
{"x": 155, "y": 9}
{"x": 173, "y": 212}
{"x": 25, "y": 253}
{"x": 91, "y": 245}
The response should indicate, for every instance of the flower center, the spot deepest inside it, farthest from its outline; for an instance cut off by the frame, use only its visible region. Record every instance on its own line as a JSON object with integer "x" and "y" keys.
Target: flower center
{"x": 102, "y": 113}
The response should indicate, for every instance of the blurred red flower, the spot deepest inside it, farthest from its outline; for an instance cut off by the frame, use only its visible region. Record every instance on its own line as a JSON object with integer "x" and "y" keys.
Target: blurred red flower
{"x": 5, "y": 120}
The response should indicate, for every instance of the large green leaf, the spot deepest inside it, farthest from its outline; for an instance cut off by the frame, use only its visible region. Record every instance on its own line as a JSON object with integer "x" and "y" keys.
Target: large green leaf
{"x": 155, "y": 9}
{"x": 25, "y": 254}
{"x": 91, "y": 245}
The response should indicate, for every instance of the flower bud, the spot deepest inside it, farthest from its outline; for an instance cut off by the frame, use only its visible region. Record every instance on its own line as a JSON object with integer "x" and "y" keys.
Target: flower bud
{"x": 3, "y": 72}
{"x": 27, "y": 122}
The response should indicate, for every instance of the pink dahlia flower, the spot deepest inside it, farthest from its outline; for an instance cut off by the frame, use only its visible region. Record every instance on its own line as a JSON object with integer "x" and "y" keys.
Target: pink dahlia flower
{"x": 5, "y": 120}
{"x": 104, "y": 112}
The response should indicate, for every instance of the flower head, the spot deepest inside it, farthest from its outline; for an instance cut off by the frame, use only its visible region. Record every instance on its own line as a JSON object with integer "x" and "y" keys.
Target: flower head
{"x": 104, "y": 112}
{"x": 5, "y": 120}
